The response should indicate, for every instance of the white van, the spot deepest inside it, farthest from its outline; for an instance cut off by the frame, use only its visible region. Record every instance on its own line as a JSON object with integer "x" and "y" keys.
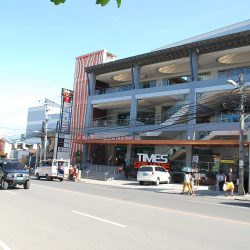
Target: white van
{"x": 53, "y": 169}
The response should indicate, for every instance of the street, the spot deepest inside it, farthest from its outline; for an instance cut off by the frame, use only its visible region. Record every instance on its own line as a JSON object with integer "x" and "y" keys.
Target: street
{"x": 72, "y": 215}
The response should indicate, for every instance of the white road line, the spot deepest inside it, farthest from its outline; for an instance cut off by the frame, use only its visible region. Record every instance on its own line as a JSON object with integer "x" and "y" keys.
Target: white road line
{"x": 10, "y": 192}
{"x": 219, "y": 204}
{"x": 109, "y": 189}
{"x": 4, "y": 246}
{"x": 169, "y": 210}
{"x": 100, "y": 219}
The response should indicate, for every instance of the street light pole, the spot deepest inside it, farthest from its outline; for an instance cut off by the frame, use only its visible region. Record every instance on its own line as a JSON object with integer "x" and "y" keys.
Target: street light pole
{"x": 241, "y": 137}
{"x": 241, "y": 87}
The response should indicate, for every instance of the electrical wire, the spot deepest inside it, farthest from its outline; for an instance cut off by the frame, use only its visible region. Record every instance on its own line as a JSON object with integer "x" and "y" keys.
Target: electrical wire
{"x": 133, "y": 126}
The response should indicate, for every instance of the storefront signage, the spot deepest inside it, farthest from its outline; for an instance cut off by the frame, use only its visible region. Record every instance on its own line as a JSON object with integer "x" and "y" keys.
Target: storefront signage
{"x": 153, "y": 159}
{"x": 158, "y": 158}
{"x": 228, "y": 161}
{"x": 93, "y": 137}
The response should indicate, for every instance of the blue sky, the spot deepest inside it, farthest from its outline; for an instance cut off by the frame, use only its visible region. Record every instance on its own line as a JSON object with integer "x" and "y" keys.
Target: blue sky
{"x": 39, "y": 41}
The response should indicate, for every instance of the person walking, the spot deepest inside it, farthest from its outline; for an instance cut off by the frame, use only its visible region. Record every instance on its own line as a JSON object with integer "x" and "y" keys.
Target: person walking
{"x": 186, "y": 183}
{"x": 221, "y": 180}
{"x": 192, "y": 179}
{"x": 229, "y": 182}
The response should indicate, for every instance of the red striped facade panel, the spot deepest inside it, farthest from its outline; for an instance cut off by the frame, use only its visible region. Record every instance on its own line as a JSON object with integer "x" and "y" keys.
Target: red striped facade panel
{"x": 81, "y": 95}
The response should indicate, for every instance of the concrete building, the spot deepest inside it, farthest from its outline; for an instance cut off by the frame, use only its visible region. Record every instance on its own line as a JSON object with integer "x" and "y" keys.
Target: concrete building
{"x": 36, "y": 117}
{"x": 172, "y": 101}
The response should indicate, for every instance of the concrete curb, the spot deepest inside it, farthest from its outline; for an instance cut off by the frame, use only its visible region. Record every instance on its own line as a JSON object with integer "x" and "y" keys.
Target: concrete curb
{"x": 200, "y": 191}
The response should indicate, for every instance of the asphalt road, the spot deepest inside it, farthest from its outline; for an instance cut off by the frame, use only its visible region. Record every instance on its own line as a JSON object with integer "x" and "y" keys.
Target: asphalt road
{"x": 68, "y": 215}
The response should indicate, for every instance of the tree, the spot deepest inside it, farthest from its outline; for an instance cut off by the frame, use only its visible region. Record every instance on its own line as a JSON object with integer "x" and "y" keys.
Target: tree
{"x": 77, "y": 157}
{"x": 101, "y": 2}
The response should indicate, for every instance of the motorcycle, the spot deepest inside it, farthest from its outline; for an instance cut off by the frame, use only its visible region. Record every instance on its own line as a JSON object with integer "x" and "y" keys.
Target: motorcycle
{"x": 71, "y": 177}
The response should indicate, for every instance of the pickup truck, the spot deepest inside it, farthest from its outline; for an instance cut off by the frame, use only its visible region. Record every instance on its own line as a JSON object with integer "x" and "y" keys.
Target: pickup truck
{"x": 12, "y": 173}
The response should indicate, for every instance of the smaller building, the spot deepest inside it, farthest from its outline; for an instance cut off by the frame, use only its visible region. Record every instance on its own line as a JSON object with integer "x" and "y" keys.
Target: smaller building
{"x": 36, "y": 117}
{"x": 5, "y": 148}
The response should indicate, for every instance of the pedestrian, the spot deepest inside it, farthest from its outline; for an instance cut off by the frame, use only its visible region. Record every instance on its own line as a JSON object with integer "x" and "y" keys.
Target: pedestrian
{"x": 186, "y": 183}
{"x": 192, "y": 179}
{"x": 221, "y": 180}
{"x": 229, "y": 185}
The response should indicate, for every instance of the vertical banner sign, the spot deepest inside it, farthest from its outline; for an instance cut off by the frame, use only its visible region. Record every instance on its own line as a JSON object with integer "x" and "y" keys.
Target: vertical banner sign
{"x": 65, "y": 121}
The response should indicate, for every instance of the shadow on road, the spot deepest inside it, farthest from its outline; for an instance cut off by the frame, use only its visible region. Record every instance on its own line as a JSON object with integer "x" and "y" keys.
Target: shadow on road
{"x": 237, "y": 204}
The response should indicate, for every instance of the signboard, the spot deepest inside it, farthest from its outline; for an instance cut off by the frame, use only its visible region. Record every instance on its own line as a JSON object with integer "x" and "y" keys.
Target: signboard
{"x": 66, "y": 110}
{"x": 64, "y": 123}
{"x": 195, "y": 159}
{"x": 153, "y": 159}
{"x": 105, "y": 138}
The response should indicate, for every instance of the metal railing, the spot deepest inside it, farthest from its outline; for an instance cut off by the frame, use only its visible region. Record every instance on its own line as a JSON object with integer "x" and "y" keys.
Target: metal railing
{"x": 114, "y": 89}
{"x": 171, "y": 111}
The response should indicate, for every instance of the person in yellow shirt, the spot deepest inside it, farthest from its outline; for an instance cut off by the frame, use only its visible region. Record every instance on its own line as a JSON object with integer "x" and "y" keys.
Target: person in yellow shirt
{"x": 229, "y": 182}
{"x": 186, "y": 183}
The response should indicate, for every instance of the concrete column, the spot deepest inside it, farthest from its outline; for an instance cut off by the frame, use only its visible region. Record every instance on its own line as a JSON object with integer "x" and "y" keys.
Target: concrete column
{"x": 92, "y": 84}
{"x": 191, "y": 114}
{"x": 194, "y": 64}
{"x": 189, "y": 155}
{"x": 158, "y": 114}
{"x": 129, "y": 155}
{"x": 84, "y": 156}
{"x": 133, "y": 112}
{"x": 89, "y": 115}
{"x": 135, "y": 71}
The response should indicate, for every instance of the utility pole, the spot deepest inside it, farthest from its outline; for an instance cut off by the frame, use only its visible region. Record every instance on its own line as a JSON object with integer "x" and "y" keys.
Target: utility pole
{"x": 45, "y": 129}
{"x": 240, "y": 85}
{"x": 46, "y": 119}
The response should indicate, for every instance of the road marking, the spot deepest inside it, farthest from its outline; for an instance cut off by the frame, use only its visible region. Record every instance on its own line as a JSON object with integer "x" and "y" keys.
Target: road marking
{"x": 218, "y": 204}
{"x": 10, "y": 192}
{"x": 100, "y": 219}
{"x": 4, "y": 246}
{"x": 109, "y": 189}
{"x": 169, "y": 210}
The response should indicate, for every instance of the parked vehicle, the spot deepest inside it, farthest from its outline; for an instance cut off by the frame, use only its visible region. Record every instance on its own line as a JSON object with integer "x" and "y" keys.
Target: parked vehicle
{"x": 178, "y": 175}
{"x": 153, "y": 174}
{"x": 52, "y": 169}
{"x": 12, "y": 173}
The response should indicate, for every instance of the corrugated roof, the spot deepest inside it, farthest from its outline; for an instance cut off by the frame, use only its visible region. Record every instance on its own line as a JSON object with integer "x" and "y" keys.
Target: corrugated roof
{"x": 231, "y": 41}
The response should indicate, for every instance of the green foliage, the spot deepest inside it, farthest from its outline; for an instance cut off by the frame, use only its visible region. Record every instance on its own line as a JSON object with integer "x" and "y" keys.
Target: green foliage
{"x": 101, "y": 2}
{"x": 56, "y": 2}
{"x": 78, "y": 156}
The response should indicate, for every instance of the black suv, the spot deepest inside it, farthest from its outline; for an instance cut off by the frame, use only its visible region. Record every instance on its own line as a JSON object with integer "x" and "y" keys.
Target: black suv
{"x": 12, "y": 173}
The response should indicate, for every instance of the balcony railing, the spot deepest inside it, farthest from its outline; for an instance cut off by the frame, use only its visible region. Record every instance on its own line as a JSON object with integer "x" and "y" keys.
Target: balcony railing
{"x": 123, "y": 122}
{"x": 167, "y": 82}
{"x": 111, "y": 123}
{"x": 114, "y": 89}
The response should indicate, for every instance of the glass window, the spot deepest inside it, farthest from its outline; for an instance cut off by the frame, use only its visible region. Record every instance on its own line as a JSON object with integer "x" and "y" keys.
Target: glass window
{"x": 240, "y": 71}
{"x": 145, "y": 169}
{"x": 13, "y": 166}
{"x": 221, "y": 74}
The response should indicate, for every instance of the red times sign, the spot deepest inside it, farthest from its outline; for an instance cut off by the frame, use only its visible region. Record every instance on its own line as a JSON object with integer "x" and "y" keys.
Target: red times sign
{"x": 138, "y": 164}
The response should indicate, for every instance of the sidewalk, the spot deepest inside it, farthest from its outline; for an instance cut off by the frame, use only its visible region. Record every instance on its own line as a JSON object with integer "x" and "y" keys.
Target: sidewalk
{"x": 203, "y": 191}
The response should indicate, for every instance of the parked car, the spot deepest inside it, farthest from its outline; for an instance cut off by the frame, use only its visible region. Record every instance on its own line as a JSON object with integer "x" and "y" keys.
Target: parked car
{"x": 178, "y": 174}
{"x": 12, "y": 173}
{"x": 153, "y": 174}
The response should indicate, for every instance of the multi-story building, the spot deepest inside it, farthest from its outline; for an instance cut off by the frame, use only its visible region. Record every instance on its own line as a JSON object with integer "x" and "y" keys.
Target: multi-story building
{"x": 175, "y": 100}
{"x": 36, "y": 117}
